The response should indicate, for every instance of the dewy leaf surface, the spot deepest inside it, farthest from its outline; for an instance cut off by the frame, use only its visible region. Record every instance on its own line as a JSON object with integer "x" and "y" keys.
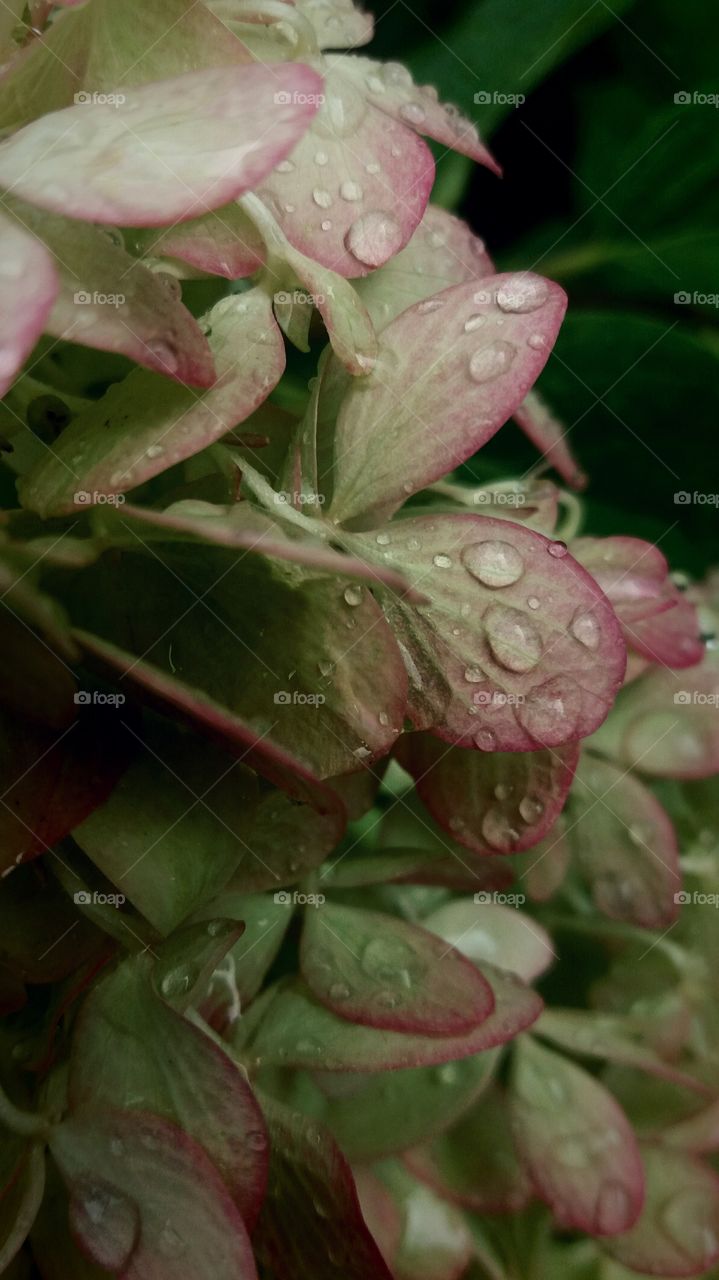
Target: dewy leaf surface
{"x": 356, "y": 185}
{"x": 171, "y": 150}
{"x": 311, "y": 1226}
{"x": 110, "y": 301}
{"x": 29, "y": 287}
{"x": 119, "y": 1163}
{"x": 677, "y": 1232}
{"x": 517, "y": 649}
{"x": 144, "y": 424}
{"x": 576, "y": 1142}
{"x": 451, "y": 371}
{"x": 625, "y": 844}
{"x": 297, "y": 1030}
{"x": 498, "y": 802}
{"x": 379, "y": 971}
{"x": 133, "y": 1052}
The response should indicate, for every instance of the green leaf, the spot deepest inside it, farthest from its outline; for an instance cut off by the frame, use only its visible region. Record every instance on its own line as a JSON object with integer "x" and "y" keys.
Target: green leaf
{"x": 119, "y": 1163}
{"x": 143, "y": 425}
{"x": 175, "y": 828}
{"x": 133, "y": 1052}
{"x": 676, "y": 1234}
{"x": 576, "y": 1142}
{"x": 487, "y": 931}
{"x": 379, "y": 971}
{"x": 294, "y": 1029}
{"x": 625, "y": 844}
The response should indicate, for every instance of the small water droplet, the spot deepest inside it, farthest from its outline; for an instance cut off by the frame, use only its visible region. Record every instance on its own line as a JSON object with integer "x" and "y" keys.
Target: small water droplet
{"x": 351, "y": 191}
{"x": 285, "y": 166}
{"x": 383, "y": 718}
{"x": 322, "y": 197}
{"x": 442, "y": 561}
{"x": 585, "y": 629}
{"x": 382, "y": 539}
{"x": 498, "y": 830}
{"x": 326, "y": 224}
{"x": 339, "y": 991}
{"x": 485, "y": 740}
{"x": 165, "y": 354}
{"x": 536, "y": 341}
{"x": 491, "y": 361}
{"x": 412, "y": 113}
{"x": 430, "y": 305}
{"x": 321, "y": 158}
{"x": 530, "y": 808}
{"x": 557, "y": 549}
{"x": 474, "y": 323}
{"x": 502, "y": 791}
{"x": 155, "y": 451}
{"x": 533, "y": 602}
{"x": 473, "y": 675}
{"x": 551, "y": 711}
{"x": 176, "y": 983}
{"x": 514, "y": 641}
{"x": 352, "y": 596}
{"x": 325, "y": 667}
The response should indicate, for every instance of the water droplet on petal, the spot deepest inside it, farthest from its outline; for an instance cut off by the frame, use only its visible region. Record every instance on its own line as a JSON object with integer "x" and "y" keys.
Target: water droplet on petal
{"x": 514, "y": 641}
{"x": 585, "y": 629}
{"x": 285, "y": 166}
{"x": 321, "y": 158}
{"x": 165, "y": 354}
{"x": 442, "y": 561}
{"x": 485, "y": 740}
{"x": 322, "y": 197}
{"x": 430, "y": 305}
{"x": 339, "y": 991}
{"x": 351, "y": 191}
{"x": 474, "y": 323}
{"x": 493, "y": 563}
{"x": 522, "y": 294}
{"x": 374, "y": 238}
{"x": 473, "y": 675}
{"x": 502, "y": 791}
{"x": 491, "y": 361}
{"x": 530, "y": 809}
{"x": 382, "y": 539}
{"x": 413, "y": 113}
{"x": 383, "y": 718}
{"x": 551, "y": 711}
{"x": 110, "y": 1219}
{"x": 498, "y": 831}
{"x": 533, "y": 602}
{"x": 392, "y": 962}
{"x": 557, "y": 549}
{"x": 536, "y": 341}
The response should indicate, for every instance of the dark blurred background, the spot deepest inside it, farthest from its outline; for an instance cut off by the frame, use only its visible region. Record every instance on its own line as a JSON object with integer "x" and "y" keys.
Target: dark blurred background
{"x": 610, "y": 187}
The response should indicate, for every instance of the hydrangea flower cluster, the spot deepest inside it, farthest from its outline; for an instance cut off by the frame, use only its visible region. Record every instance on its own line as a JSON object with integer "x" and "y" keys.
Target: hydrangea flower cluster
{"x": 320, "y": 760}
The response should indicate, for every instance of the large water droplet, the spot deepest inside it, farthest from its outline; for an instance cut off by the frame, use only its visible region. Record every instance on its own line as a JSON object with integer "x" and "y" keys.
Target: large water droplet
{"x": 322, "y": 197}
{"x": 352, "y": 596}
{"x": 351, "y": 191}
{"x": 522, "y": 294}
{"x": 392, "y": 962}
{"x": 493, "y": 563}
{"x": 109, "y": 1220}
{"x": 498, "y": 831}
{"x": 491, "y": 361}
{"x": 514, "y": 641}
{"x": 551, "y": 711}
{"x": 530, "y": 808}
{"x": 374, "y": 238}
{"x": 585, "y": 628}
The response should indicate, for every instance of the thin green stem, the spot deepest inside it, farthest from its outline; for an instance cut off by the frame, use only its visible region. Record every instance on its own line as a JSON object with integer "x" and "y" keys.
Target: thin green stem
{"x": 27, "y": 1123}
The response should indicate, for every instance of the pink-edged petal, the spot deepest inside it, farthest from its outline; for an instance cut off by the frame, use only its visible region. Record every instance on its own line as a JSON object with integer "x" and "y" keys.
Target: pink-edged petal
{"x": 550, "y": 436}
{"x": 672, "y": 638}
{"x": 110, "y": 301}
{"x": 311, "y": 1183}
{"x": 146, "y": 1199}
{"x": 451, "y": 371}
{"x": 625, "y": 844}
{"x": 442, "y": 252}
{"x": 177, "y": 1072}
{"x": 659, "y": 622}
{"x": 676, "y": 1234}
{"x": 592, "y": 1034}
{"x": 223, "y": 242}
{"x": 379, "y": 971}
{"x": 30, "y": 285}
{"x": 516, "y": 648}
{"x": 297, "y": 1030}
{"x": 490, "y": 802}
{"x": 576, "y": 1143}
{"x": 543, "y": 869}
{"x": 390, "y": 87}
{"x": 172, "y": 150}
{"x": 666, "y": 723}
{"x": 356, "y": 185}
{"x": 475, "y": 1164}
{"x": 143, "y": 425}
{"x": 489, "y": 932}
